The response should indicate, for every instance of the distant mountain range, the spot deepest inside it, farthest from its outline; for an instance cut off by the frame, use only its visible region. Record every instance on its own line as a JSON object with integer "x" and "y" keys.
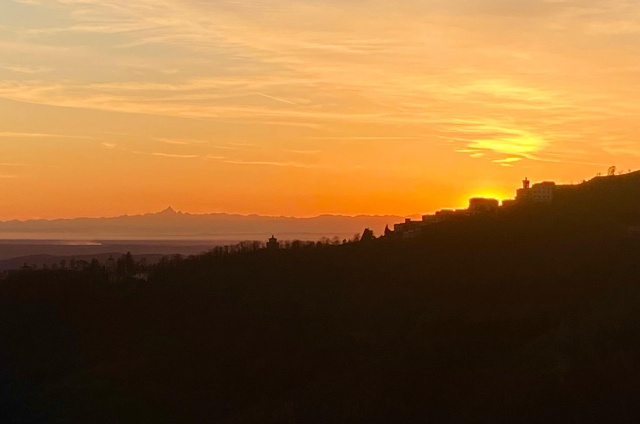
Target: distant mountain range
{"x": 172, "y": 225}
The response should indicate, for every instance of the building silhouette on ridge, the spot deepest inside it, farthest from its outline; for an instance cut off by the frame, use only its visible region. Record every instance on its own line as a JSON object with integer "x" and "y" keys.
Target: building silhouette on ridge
{"x": 540, "y": 193}
{"x": 273, "y": 243}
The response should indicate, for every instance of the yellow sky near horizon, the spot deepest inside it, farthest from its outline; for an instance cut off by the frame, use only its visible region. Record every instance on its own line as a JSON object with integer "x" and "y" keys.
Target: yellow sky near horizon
{"x": 303, "y": 107}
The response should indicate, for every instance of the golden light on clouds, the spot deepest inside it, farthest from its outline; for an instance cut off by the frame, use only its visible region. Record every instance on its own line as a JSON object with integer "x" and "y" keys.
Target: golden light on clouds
{"x": 306, "y": 107}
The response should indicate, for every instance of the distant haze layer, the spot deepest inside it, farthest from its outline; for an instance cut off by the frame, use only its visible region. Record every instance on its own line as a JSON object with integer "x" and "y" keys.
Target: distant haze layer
{"x": 172, "y": 225}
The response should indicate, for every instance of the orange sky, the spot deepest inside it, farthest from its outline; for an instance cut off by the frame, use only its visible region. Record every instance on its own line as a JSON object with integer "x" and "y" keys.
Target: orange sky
{"x": 303, "y": 107}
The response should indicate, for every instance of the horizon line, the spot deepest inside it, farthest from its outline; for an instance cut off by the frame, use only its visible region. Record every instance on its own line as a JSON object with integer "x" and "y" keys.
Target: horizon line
{"x": 183, "y": 213}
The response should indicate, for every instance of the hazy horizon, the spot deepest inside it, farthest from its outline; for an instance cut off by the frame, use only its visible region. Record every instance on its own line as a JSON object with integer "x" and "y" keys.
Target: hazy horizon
{"x": 171, "y": 225}
{"x": 156, "y": 212}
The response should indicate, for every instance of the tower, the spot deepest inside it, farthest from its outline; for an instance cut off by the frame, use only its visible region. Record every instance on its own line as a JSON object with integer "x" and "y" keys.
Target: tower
{"x": 526, "y": 184}
{"x": 273, "y": 244}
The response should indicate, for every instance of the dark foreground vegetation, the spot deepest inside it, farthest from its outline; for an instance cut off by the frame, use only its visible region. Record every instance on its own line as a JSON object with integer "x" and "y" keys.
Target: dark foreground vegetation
{"x": 514, "y": 320}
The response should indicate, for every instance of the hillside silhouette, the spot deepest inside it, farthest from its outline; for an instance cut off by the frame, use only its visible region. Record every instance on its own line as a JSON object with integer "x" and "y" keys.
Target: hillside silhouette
{"x": 526, "y": 316}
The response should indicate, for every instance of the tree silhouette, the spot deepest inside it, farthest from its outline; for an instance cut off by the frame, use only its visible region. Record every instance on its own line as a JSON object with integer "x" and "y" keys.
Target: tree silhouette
{"x": 126, "y": 265}
{"x": 367, "y": 235}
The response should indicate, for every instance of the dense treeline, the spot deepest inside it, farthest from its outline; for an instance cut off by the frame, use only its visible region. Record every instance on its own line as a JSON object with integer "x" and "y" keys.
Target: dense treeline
{"x": 526, "y": 316}
{"x": 480, "y": 321}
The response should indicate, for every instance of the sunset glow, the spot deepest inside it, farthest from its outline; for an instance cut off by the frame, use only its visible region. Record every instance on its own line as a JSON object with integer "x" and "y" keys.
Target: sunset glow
{"x": 302, "y": 108}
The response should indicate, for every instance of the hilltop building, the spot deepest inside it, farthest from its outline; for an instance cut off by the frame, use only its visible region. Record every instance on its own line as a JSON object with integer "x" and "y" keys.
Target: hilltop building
{"x": 482, "y": 205}
{"x": 444, "y": 215}
{"x": 273, "y": 243}
{"x": 613, "y": 188}
{"x": 479, "y": 206}
{"x": 538, "y": 193}
{"x": 408, "y": 228}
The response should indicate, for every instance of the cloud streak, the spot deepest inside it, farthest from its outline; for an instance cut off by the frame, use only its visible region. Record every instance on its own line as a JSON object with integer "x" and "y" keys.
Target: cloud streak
{"x": 38, "y": 135}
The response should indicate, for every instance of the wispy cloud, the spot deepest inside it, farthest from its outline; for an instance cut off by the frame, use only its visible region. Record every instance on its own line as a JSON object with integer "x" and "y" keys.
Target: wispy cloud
{"x": 215, "y": 157}
{"x": 13, "y": 164}
{"x": 507, "y": 160}
{"x": 181, "y": 142}
{"x": 277, "y": 99}
{"x": 171, "y": 155}
{"x": 367, "y": 138}
{"x": 121, "y": 148}
{"x": 304, "y": 152}
{"x": 39, "y": 135}
{"x": 271, "y": 163}
{"x": 26, "y": 69}
{"x": 29, "y": 2}
{"x": 429, "y": 73}
{"x": 285, "y": 164}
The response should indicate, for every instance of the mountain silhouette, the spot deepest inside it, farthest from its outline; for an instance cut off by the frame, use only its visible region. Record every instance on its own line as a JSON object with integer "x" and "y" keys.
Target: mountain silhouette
{"x": 168, "y": 212}
{"x": 172, "y": 224}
